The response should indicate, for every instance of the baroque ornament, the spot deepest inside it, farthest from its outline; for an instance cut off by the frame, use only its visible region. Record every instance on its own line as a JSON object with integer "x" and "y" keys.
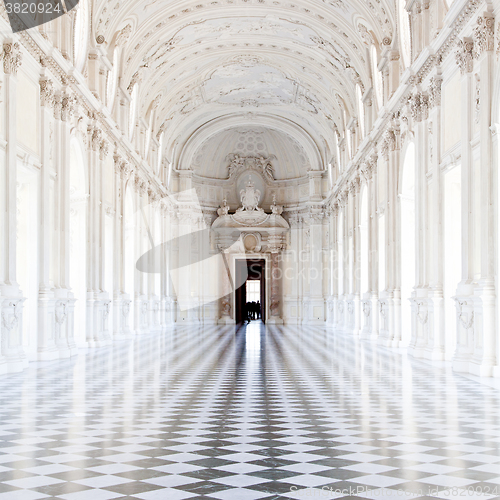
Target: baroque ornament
{"x": 250, "y": 197}
{"x": 419, "y": 106}
{"x": 46, "y": 92}
{"x": 435, "y": 91}
{"x": 259, "y": 163}
{"x": 484, "y": 34}
{"x": 12, "y": 57}
{"x": 465, "y": 55}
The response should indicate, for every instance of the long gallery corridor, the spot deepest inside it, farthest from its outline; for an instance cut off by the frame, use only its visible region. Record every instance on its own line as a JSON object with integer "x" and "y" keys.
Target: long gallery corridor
{"x": 247, "y": 413}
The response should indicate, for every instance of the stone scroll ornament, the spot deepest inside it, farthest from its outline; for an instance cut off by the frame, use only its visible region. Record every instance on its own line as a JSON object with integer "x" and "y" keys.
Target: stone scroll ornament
{"x": 26, "y": 14}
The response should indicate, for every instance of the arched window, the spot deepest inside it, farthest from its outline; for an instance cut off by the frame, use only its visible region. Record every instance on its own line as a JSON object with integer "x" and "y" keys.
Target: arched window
{"x": 361, "y": 110}
{"x": 112, "y": 80}
{"x": 404, "y": 22}
{"x": 160, "y": 151}
{"x": 81, "y": 35}
{"x": 133, "y": 112}
{"x": 377, "y": 77}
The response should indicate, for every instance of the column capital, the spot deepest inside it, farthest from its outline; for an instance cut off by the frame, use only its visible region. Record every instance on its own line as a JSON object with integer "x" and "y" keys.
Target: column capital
{"x": 95, "y": 137}
{"x": 68, "y": 106}
{"x": 12, "y": 57}
{"x": 465, "y": 55}
{"x": 419, "y": 106}
{"x": 103, "y": 149}
{"x": 484, "y": 34}
{"x": 435, "y": 85}
{"x": 46, "y": 92}
{"x": 390, "y": 140}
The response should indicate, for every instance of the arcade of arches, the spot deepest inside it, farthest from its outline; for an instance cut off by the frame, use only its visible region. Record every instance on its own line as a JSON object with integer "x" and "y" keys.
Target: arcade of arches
{"x": 367, "y": 131}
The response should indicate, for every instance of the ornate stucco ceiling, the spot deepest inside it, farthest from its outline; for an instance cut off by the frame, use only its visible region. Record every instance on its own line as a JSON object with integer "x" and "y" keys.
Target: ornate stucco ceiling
{"x": 293, "y": 64}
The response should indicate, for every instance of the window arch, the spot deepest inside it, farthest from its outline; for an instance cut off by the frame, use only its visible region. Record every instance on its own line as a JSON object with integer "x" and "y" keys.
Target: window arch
{"x": 361, "y": 110}
{"x": 404, "y": 22}
{"x": 112, "y": 80}
{"x": 133, "y": 112}
{"x": 377, "y": 77}
{"x": 81, "y": 35}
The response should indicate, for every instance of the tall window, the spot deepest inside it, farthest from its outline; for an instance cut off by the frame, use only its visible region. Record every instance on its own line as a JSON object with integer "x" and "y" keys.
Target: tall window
{"x": 112, "y": 80}
{"x": 133, "y": 112}
{"x": 404, "y": 22}
{"x": 361, "y": 111}
{"x": 81, "y": 35}
{"x": 377, "y": 77}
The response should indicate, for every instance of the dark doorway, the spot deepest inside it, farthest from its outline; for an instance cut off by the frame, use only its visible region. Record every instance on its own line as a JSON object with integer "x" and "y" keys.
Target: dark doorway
{"x": 255, "y": 271}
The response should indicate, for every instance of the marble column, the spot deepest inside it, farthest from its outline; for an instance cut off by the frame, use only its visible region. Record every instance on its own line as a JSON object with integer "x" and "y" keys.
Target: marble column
{"x": 65, "y": 301}
{"x": 484, "y": 358}
{"x": 12, "y": 355}
{"x": 46, "y": 348}
{"x": 436, "y": 224}
{"x": 465, "y": 301}
{"x": 121, "y": 300}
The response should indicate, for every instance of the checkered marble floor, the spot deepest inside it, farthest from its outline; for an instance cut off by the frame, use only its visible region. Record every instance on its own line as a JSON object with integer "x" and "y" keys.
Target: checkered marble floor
{"x": 262, "y": 412}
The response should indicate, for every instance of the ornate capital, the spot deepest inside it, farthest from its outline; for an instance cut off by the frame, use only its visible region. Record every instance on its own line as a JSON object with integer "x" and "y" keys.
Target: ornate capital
{"x": 57, "y": 102}
{"x": 12, "y": 57}
{"x": 355, "y": 186}
{"x": 68, "y": 106}
{"x": 419, "y": 106}
{"x": 390, "y": 139}
{"x": 435, "y": 91}
{"x": 46, "y": 92}
{"x": 366, "y": 172}
{"x": 95, "y": 140}
{"x": 103, "y": 149}
{"x": 464, "y": 55}
{"x": 484, "y": 34}
{"x": 121, "y": 167}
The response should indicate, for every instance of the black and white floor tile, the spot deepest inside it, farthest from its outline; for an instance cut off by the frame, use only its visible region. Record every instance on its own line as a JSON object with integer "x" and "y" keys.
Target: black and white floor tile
{"x": 261, "y": 412}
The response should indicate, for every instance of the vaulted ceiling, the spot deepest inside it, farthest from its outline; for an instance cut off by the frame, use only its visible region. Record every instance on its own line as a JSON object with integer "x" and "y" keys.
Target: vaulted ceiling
{"x": 288, "y": 65}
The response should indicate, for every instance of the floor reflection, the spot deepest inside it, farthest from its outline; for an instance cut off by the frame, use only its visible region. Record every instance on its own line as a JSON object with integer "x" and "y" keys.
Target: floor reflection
{"x": 255, "y": 412}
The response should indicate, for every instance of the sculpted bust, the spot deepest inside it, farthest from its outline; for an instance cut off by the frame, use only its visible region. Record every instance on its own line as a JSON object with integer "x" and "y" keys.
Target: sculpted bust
{"x": 223, "y": 209}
